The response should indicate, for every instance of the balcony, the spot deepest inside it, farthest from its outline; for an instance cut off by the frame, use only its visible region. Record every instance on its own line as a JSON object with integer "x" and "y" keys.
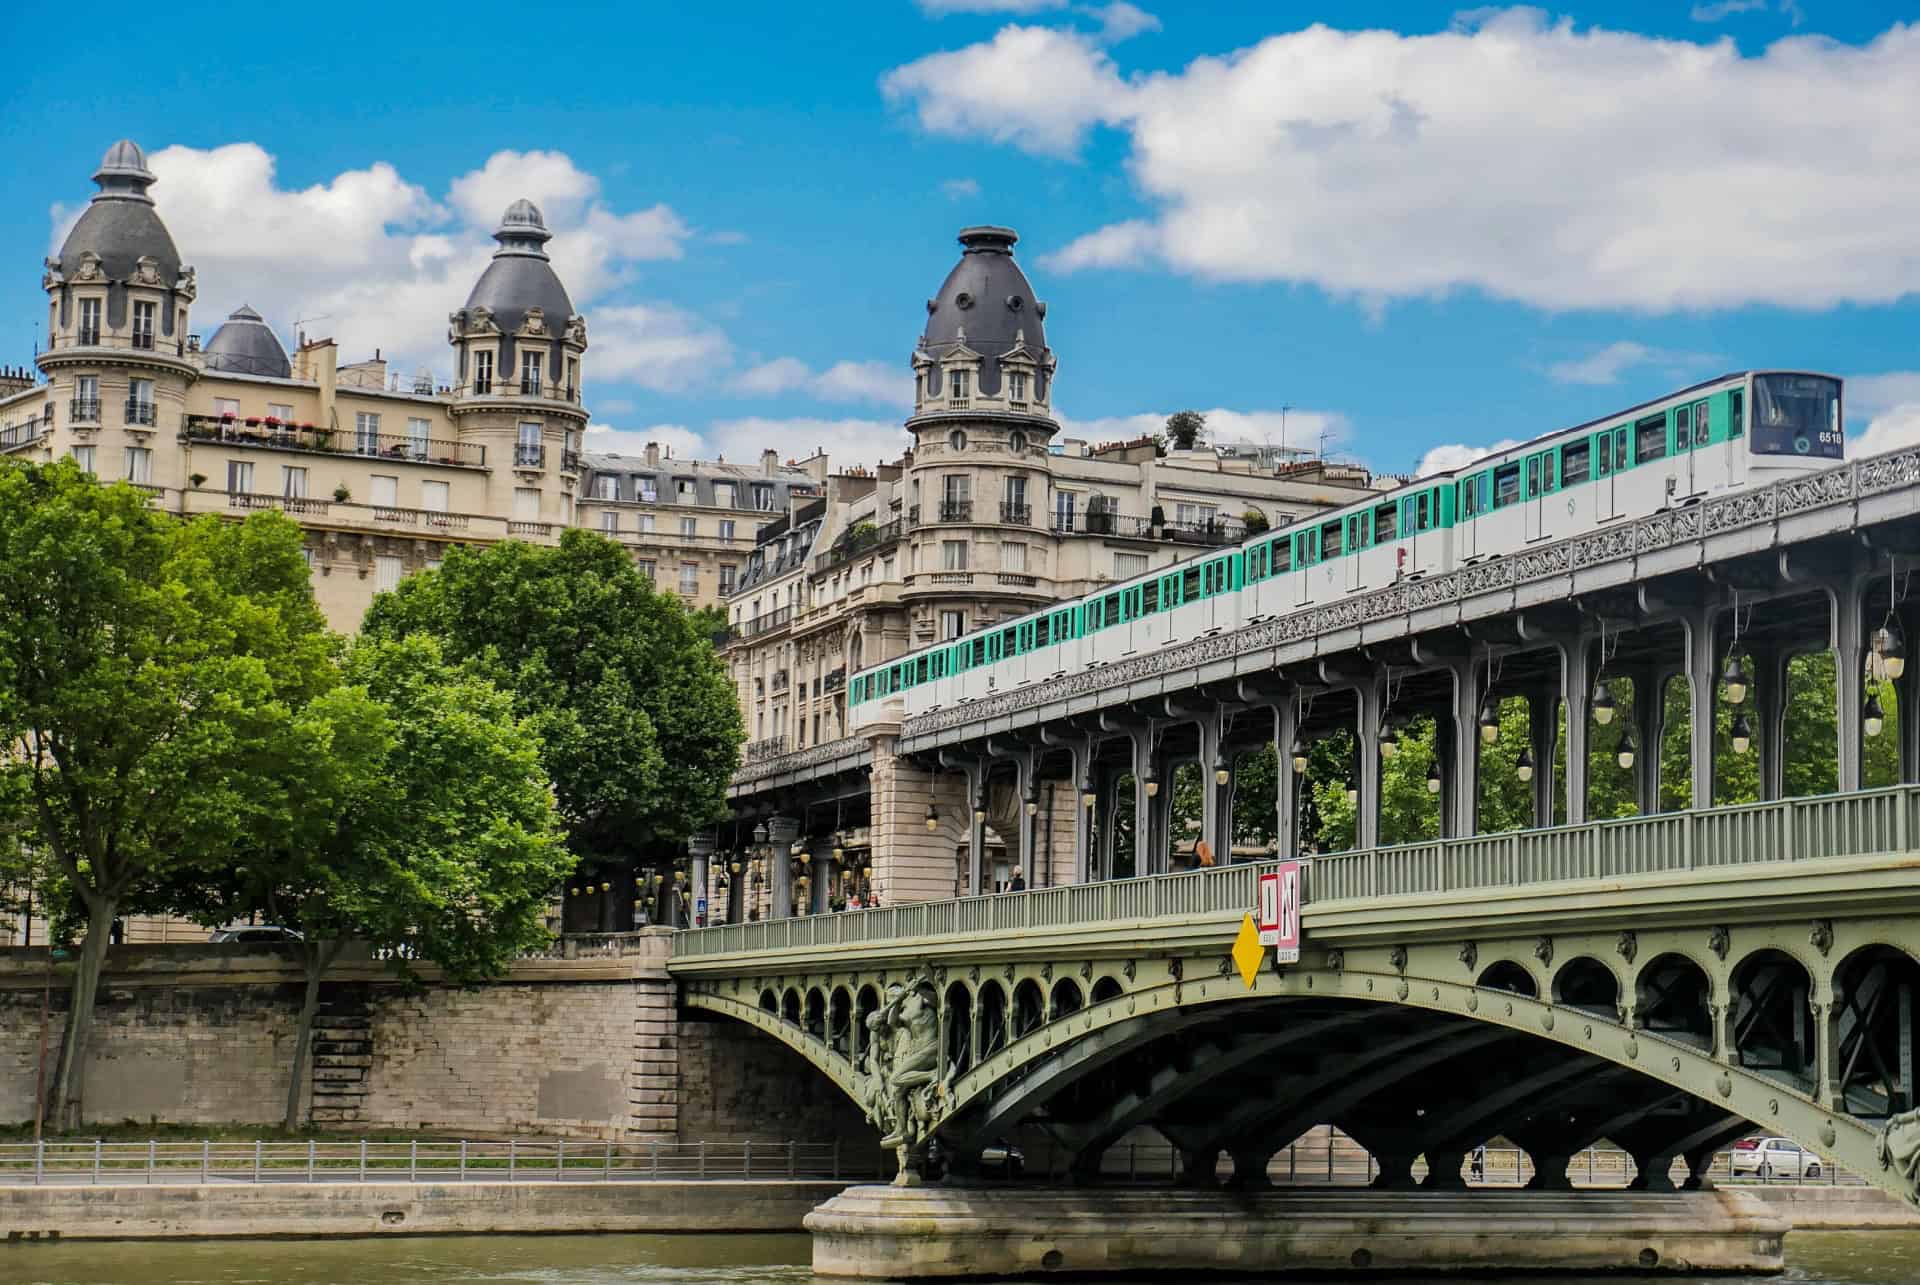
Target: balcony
{"x": 137, "y": 341}
{"x": 956, "y": 510}
{"x": 526, "y": 455}
{"x": 530, "y": 528}
{"x": 233, "y": 430}
{"x": 1127, "y": 527}
{"x": 834, "y": 681}
{"x": 774, "y": 619}
{"x": 1017, "y": 514}
{"x": 84, "y": 410}
{"x": 15, "y": 436}
{"x": 141, "y": 414}
{"x": 570, "y": 461}
{"x": 861, "y": 537}
{"x": 780, "y": 681}
{"x": 533, "y": 388}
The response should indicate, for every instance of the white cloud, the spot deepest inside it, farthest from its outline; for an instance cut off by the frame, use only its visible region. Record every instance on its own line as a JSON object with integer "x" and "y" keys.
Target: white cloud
{"x": 1724, "y": 8}
{"x": 655, "y": 346}
{"x": 674, "y": 439}
{"x": 1122, "y": 21}
{"x": 377, "y": 262}
{"x": 1308, "y": 430}
{"x": 1513, "y": 156}
{"x": 1891, "y": 405}
{"x": 1445, "y": 459}
{"x": 960, "y": 189}
{"x": 846, "y": 441}
{"x": 844, "y": 381}
{"x": 1035, "y": 87}
{"x": 1603, "y": 366}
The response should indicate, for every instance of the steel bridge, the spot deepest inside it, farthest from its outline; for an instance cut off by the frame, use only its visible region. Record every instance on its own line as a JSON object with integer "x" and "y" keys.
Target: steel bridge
{"x": 1666, "y": 982}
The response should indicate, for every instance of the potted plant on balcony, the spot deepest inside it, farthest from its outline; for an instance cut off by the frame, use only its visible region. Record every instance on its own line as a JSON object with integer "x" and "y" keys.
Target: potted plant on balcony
{"x": 341, "y": 493}
{"x": 199, "y": 480}
{"x": 1256, "y": 521}
{"x": 273, "y": 421}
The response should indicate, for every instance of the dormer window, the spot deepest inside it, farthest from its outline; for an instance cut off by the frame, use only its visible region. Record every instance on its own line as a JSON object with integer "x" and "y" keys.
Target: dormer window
{"x": 529, "y": 374}
{"x": 606, "y": 487}
{"x": 957, "y": 384}
{"x": 933, "y": 378}
{"x": 143, "y": 317}
{"x": 483, "y": 373}
{"x": 89, "y": 322}
{"x": 1017, "y": 386}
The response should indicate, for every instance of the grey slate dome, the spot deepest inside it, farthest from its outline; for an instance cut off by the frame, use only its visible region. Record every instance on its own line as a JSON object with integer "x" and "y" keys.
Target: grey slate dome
{"x": 520, "y": 276}
{"x": 246, "y": 345}
{"x": 987, "y": 304}
{"x": 120, "y": 224}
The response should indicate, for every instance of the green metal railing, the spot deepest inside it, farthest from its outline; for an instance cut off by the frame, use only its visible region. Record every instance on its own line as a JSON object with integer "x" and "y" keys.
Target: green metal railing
{"x": 1791, "y": 830}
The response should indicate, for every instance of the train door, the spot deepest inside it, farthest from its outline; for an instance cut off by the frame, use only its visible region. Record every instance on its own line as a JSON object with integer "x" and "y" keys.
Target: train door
{"x": 1359, "y": 536}
{"x": 1307, "y": 558}
{"x": 1683, "y": 452}
{"x": 1609, "y": 463}
{"x": 1531, "y": 498}
{"x": 1712, "y": 465}
{"x": 1466, "y": 508}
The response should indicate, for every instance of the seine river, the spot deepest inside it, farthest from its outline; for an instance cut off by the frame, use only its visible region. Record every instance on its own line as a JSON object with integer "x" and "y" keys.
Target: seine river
{"x": 1815, "y": 1258}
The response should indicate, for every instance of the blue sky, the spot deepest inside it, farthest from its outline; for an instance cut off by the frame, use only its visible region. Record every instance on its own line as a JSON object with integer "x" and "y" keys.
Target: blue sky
{"x": 1419, "y": 227}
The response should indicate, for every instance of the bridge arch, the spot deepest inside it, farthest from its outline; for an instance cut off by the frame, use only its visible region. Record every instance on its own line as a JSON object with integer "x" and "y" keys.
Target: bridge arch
{"x": 957, "y": 1006}
{"x": 769, "y": 1001}
{"x": 790, "y": 1005}
{"x": 1029, "y": 1009}
{"x": 1508, "y": 975}
{"x": 840, "y": 1023}
{"x": 816, "y": 1016}
{"x": 1769, "y": 1016}
{"x": 1673, "y": 997}
{"x": 1590, "y": 985}
{"x": 1106, "y": 987}
{"x": 1874, "y": 1030}
{"x": 1065, "y": 999}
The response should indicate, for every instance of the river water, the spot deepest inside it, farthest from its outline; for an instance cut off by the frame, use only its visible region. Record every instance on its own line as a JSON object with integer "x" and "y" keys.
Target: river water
{"x": 1814, "y": 1258}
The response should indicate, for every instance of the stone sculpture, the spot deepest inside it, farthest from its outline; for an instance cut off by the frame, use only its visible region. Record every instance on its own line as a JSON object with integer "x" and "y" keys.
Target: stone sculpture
{"x": 1900, "y": 1151}
{"x": 899, "y": 1074}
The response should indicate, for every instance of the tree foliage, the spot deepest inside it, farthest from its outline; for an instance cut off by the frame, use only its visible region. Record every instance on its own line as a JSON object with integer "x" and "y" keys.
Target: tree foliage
{"x": 637, "y": 717}
{"x": 1184, "y": 428}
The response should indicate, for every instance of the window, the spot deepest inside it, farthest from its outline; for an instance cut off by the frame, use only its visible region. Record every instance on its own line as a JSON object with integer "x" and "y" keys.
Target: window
{"x": 728, "y": 573}
{"x": 726, "y": 528}
{"x": 646, "y": 567}
{"x": 1736, "y": 413}
{"x": 952, "y": 624}
{"x": 306, "y": 556}
{"x": 1423, "y": 510}
{"x": 1017, "y": 496}
{"x": 1682, "y": 428}
{"x": 958, "y": 382}
{"x": 227, "y": 407}
{"x": 434, "y": 496}
{"x": 689, "y": 578}
{"x": 606, "y": 487}
{"x": 956, "y": 488}
{"x": 689, "y": 528}
{"x": 86, "y": 399}
{"x": 610, "y": 522}
{"x": 957, "y": 440}
{"x": 723, "y": 495}
{"x": 649, "y": 488}
{"x": 953, "y": 555}
{"x": 1386, "y": 522}
{"x": 366, "y": 433}
{"x": 1574, "y": 459}
{"x": 89, "y": 322}
{"x": 139, "y": 464}
{"x": 529, "y": 374}
{"x": 1506, "y": 485}
{"x": 1017, "y": 442}
{"x": 1619, "y": 449}
{"x": 573, "y": 378}
{"x": 1194, "y": 516}
{"x": 526, "y": 504}
{"x": 763, "y": 496}
{"x": 1533, "y": 477}
{"x": 293, "y": 482}
{"x": 280, "y": 411}
{"x": 1650, "y": 439}
{"x": 143, "y": 316}
{"x": 418, "y": 431}
{"x": 1128, "y": 565}
{"x": 386, "y": 491}
{"x": 1702, "y": 423}
{"x": 83, "y": 456}
{"x": 1013, "y": 557}
{"x": 386, "y": 573}
{"x": 1017, "y": 386}
{"x": 239, "y": 477}
{"x": 1063, "y": 502}
{"x": 1469, "y": 497}
{"x": 483, "y": 372}
{"x": 1796, "y": 415}
{"x": 646, "y": 524}
{"x": 686, "y": 490}
{"x": 1330, "y": 535}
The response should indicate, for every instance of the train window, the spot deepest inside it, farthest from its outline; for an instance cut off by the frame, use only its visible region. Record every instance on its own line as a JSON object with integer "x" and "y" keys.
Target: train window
{"x": 1533, "y": 478}
{"x": 1702, "y": 423}
{"x": 1282, "y": 554}
{"x": 1736, "y": 412}
{"x": 1190, "y": 585}
{"x": 1506, "y": 485}
{"x": 924, "y": 670}
{"x": 1423, "y": 511}
{"x": 1113, "y": 609}
{"x": 1149, "y": 597}
{"x": 1650, "y": 439}
{"x": 1574, "y": 458}
{"x": 1386, "y": 522}
{"x": 938, "y": 665}
{"x": 1330, "y": 540}
{"x": 1258, "y": 559}
{"x": 1010, "y": 643}
{"x": 1682, "y": 428}
{"x": 1619, "y": 449}
{"x": 1469, "y": 497}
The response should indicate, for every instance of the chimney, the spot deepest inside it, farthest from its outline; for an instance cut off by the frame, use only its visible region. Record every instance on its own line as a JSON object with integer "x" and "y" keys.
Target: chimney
{"x": 769, "y": 462}
{"x": 653, "y": 452}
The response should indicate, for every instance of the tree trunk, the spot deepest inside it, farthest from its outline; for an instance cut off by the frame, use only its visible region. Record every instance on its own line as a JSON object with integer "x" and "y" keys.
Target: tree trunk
{"x": 318, "y": 957}
{"x": 69, "y": 1076}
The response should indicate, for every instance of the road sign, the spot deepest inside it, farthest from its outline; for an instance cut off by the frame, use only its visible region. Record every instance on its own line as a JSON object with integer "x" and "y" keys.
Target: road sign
{"x": 1266, "y": 907}
{"x": 1286, "y": 945}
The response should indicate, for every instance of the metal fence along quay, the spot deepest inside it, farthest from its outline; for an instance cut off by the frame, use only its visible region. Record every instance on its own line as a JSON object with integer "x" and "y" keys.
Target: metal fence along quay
{"x": 1791, "y": 830}
{"x": 71, "y": 1163}
{"x": 1329, "y": 1159}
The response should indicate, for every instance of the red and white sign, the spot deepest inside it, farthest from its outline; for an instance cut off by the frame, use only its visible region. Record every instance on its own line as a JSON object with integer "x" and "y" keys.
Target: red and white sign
{"x": 1266, "y": 907}
{"x": 1286, "y": 939}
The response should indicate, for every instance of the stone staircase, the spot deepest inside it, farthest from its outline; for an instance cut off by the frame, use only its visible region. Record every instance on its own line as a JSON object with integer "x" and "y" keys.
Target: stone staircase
{"x": 342, "y": 1057}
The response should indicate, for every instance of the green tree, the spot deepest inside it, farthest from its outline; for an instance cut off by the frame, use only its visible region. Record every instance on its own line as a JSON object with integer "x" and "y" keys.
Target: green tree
{"x": 1184, "y": 428}
{"x": 149, "y": 692}
{"x": 423, "y": 826}
{"x": 638, "y": 720}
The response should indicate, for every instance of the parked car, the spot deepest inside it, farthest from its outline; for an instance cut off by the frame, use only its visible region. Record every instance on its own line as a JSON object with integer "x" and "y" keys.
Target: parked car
{"x": 1002, "y": 1157}
{"x": 1774, "y": 1158}
{"x": 254, "y": 933}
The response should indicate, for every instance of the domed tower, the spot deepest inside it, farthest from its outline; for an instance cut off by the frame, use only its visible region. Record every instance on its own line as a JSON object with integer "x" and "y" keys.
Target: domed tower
{"x": 519, "y": 342}
{"x": 117, "y": 299}
{"x": 980, "y": 473}
{"x": 246, "y": 345}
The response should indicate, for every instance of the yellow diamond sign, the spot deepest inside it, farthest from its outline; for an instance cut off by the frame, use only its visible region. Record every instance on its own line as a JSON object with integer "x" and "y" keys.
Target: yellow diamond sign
{"x": 1247, "y": 951}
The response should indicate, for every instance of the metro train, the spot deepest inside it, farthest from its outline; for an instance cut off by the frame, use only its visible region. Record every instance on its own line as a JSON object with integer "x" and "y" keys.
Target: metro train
{"x": 1744, "y": 429}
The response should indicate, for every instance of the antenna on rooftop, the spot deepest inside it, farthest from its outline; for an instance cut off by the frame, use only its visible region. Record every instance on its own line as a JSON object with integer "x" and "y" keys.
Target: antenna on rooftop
{"x": 299, "y": 334}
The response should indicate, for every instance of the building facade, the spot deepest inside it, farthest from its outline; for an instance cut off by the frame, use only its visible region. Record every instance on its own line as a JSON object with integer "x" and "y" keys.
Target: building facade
{"x": 384, "y": 469}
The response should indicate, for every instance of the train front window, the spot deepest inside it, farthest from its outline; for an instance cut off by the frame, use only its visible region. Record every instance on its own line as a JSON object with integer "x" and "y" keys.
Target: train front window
{"x": 1797, "y": 415}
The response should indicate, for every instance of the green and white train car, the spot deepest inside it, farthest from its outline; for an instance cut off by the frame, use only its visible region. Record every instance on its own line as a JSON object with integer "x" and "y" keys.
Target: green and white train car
{"x": 1745, "y": 429}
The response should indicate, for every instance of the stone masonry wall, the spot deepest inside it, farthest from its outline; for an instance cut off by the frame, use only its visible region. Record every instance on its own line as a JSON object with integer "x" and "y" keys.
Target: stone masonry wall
{"x": 737, "y": 1084}
{"x": 909, "y": 864}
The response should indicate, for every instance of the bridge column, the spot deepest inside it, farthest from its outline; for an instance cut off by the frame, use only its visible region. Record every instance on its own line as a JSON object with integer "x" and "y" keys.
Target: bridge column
{"x": 1907, "y": 694}
{"x": 1849, "y": 652}
{"x": 1460, "y": 765}
{"x": 1543, "y": 726}
{"x": 1702, "y": 681}
{"x": 1371, "y": 702}
{"x": 1576, "y": 698}
{"x": 1106, "y": 808}
{"x": 699, "y": 855}
{"x": 1143, "y": 770}
{"x": 781, "y": 832}
{"x": 1083, "y": 810}
{"x": 1160, "y": 811}
{"x": 820, "y": 886}
{"x": 1286, "y": 803}
{"x": 1649, "y": 727}
{"x": 1215, "y": 800}
{"x": 1770, "y": 716}
{"x": 1026, "y": 806}
{"x": 976, "y": 773}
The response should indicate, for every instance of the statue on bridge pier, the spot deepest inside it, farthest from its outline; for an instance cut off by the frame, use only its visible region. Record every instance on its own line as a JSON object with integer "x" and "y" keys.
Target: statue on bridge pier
{"x": 898, "y": 1077}
{"x": 1900, "y": 1150}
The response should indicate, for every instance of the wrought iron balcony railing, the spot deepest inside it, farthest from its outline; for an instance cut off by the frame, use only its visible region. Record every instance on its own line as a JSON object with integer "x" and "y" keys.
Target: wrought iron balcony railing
{"x": 84, "y": 410}
{"x": 142, "y": 414}
{"x": 956, "y": 510}
{"x": 1017, "y": 514}
{"x": 527, "y": 456}
{"x": 270, "y": 432}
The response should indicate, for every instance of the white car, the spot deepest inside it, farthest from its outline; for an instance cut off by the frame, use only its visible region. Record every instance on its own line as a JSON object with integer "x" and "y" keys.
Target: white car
{"x": 1773, "y": 1158}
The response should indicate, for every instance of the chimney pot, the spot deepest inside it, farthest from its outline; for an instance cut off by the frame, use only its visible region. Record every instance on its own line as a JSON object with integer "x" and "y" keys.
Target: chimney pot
{"x": 653, "y": 452}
